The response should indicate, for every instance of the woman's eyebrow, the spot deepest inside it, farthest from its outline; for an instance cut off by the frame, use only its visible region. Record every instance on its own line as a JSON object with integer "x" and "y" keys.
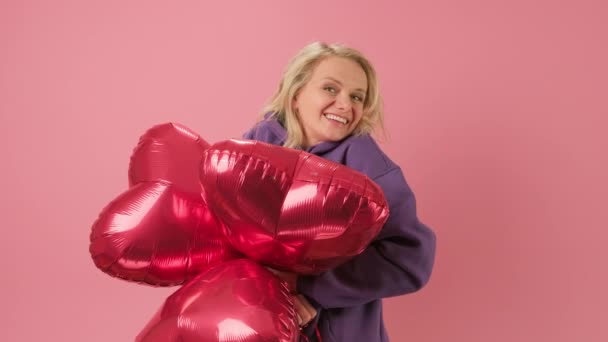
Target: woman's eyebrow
{"x": 340, "y": 83}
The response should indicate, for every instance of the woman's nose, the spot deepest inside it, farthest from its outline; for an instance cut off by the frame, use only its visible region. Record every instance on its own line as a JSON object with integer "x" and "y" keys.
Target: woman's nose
{"x": 343, "y": 102}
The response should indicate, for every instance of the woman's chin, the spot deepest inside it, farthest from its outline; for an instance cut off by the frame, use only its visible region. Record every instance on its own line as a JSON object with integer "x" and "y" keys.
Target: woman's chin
{"x": 335, "y": 137}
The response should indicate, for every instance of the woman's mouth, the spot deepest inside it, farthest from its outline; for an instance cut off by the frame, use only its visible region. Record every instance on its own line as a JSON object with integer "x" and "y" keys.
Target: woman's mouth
{"x": 336, "y": 118}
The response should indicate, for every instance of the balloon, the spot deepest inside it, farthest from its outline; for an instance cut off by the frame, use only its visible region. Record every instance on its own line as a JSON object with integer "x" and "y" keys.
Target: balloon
{"x": 191, "y": 209}
{"x": 156, "y": 235}
{"x": 290, "y": 209}
{"x": 169, "y": 152}
{"x": 160, "y": 231}
{"x": 237, "y": 301}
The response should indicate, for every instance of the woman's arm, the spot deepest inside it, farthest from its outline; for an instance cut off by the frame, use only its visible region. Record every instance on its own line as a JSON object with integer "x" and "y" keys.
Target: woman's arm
{"x": 398, "y": 261}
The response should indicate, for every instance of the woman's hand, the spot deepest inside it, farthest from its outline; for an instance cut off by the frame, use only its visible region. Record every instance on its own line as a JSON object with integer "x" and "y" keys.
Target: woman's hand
{"x": 290, "y": 278}
{"x": 304, "y": 311}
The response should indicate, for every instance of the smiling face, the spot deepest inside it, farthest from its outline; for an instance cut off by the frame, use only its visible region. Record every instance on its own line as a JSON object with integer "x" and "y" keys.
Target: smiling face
{"x": 330, "y": 105}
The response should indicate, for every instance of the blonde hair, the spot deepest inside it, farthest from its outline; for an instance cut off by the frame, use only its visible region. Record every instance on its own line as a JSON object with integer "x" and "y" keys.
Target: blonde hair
{"x": 299, "y": 71}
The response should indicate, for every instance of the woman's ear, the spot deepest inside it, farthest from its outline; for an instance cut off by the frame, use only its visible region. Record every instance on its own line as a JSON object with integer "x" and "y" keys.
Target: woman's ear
{"x": 294, "y": 105}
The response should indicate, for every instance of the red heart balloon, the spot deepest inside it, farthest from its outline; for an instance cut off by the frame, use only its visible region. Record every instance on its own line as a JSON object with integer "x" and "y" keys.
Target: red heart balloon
{"x": 160, "y": 231}
{"x": 288, "y": 208}
{"x": 158, "y": 236}
{"x": 237, "y": 301}
{"x": 169, "y": 152}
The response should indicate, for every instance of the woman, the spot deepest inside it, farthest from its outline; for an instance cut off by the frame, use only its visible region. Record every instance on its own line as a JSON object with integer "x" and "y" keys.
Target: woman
{"x": 328, "y": 104}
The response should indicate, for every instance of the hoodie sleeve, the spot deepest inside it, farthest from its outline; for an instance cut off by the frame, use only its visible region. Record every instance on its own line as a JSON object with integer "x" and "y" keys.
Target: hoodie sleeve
{"x": 398, "y": 261}
{"x": 250, "y": 134}
{"x": 269, "y": 131}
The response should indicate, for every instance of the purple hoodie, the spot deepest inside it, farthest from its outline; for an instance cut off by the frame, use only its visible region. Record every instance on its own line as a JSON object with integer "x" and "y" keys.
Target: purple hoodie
{"x": 399, "y": 261}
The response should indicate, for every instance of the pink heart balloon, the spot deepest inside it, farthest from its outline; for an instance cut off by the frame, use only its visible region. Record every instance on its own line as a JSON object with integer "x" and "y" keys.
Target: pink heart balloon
{"x": 290, "y": 209}
{"x": 237, "y": 301}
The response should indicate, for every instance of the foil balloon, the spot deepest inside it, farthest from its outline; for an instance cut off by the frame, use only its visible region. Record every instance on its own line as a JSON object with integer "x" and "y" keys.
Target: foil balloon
{"x": 290, "y": 209}
{"x": 160, "y": 231}
{"x": 237, "y": 301}
{"x": 169, "y": 152}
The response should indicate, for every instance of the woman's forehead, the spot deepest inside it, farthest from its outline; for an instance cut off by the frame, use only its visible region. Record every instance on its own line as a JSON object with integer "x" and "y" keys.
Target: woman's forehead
{"x": 343, "y": 70}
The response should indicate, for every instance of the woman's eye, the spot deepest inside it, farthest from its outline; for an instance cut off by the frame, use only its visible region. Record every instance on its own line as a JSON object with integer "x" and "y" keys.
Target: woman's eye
{"x": 330, "y": 89}
{"x": 357, "y": 98}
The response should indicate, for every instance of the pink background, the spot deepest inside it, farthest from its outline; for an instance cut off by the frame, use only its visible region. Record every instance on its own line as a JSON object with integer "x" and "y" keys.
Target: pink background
{"x": 496, "y": 112}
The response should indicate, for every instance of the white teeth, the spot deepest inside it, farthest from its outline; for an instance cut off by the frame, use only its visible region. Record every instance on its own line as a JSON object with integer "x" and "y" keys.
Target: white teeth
{"x": 336, "y": 118}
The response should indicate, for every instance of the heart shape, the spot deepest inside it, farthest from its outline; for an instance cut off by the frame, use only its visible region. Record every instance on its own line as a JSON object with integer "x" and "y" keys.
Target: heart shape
{"x": 160, "y": 231}
{"x": 236, "y": 301}
{"x": 290, "y": 209}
